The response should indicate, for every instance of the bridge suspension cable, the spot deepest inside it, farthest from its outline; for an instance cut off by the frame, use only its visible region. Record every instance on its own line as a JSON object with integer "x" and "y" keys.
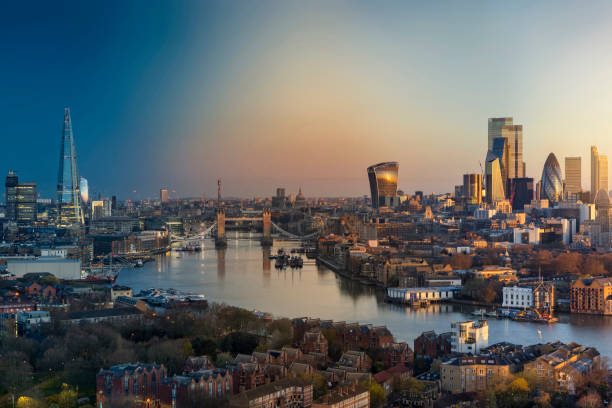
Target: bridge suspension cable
{"x": 294, "y": 236}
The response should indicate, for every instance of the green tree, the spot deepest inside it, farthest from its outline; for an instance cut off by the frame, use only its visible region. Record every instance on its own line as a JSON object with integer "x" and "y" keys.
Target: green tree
{"x": 377, "y": 394}
{"x": 239, "y": 342}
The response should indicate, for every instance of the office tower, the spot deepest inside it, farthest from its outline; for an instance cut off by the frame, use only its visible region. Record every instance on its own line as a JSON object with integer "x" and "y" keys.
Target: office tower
{"x": 603, "y": 173}
{"x": 521, "y": 192}
{"x": 495, "y": 128}
{"x": 594, "y": 172}
{"x": 97, "y": 209}
{"x": 11, "y": 196}
{"x": 418, "y": 195}
{"x": 84, "y": 187}
{"x": 514, "y": 141}
{"x": 552, "y": 184}
{"x": 383, "y": 184}
{"x": 279, "y": 200}
{"x": 114, "y": 204}
{"x": 27, "y": 209}
{"x": 163, "y": 195}
{"x": 472, "y": 188}
{"x": 573, "y": 176}
{"x": 69, "y": 211}
{"x": 500, "y": 150}
{"x": 494, "y": 180}
{"x": 599, "y": 172}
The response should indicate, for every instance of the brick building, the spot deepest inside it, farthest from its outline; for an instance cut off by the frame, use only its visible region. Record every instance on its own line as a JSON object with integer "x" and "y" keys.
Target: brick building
{"x": 285, "y": 393}
{"x": 591, "y": 295}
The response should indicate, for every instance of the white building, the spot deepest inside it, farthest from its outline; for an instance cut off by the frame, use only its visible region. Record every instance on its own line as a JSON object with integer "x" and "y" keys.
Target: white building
{"x": 59, "y": 267}
{"x": 29, "y": 320}
{"x": 484, "y": 213}
{"x": 409, "y": 295}
{"x": 517, "y": 297}
{"x": 469, "y": 336}
{"x": 529, "y": 235}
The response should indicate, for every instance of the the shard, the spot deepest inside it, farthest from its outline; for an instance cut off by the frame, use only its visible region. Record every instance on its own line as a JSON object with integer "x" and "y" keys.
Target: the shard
{"x": 69, "y": 211}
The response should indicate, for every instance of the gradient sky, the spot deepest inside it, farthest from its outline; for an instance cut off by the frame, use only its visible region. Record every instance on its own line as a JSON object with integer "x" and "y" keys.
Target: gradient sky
{"x": 297, "y": 93}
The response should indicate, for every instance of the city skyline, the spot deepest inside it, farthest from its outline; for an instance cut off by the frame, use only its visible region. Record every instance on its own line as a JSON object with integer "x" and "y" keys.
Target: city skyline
{"x": 185, "y": 100}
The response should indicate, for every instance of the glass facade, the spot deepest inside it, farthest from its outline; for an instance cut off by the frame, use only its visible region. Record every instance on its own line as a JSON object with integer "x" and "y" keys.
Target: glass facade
{"x": 84, "y": 187}
{"x": 26, "y": 202}
{"x": 552, "y": 182}
{"x": 521, "y": 192}
{"x": 69, "y": 208}
{"x": 383, "y": 183}
{"x": 11, "y": 196}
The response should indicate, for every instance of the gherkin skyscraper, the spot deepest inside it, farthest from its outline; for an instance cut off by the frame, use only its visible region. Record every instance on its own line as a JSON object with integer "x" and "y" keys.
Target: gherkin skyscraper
{"x": 69, "y": 211}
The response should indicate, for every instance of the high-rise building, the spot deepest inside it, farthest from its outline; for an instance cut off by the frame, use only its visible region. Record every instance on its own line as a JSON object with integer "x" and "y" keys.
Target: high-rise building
{"x": 383, "y": 184}
{"x": 520, "y": 191}
{"x": 514, "y": 140}
{"x": 494, "y": 180}
{"x": 11, "y": 196}
{"x": 69, "y": 211}
{"x": 495, "y": 126}
{"x": 27, "y": 208}
{"x": 573, "y": 176}
{"x": 163, "y": 195}
{"x": 599, "y": 172}
{"x": 21, "y": 198}
{"x": 603, "y": 173}
{"x": 472, "y": 188}
{"x": 84, "y": 187}
{"x": 500, "y": 150}
{"x": 552, "y": 182}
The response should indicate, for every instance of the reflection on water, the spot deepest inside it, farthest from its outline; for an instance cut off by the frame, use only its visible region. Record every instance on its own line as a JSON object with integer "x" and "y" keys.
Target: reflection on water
{"x": 243, "y": 275}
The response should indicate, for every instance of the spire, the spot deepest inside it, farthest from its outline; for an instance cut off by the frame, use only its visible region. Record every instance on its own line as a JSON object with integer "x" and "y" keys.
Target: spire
{"x": 68, "y": 191}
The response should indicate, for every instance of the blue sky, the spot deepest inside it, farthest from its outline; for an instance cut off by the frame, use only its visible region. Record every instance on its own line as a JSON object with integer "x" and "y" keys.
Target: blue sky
{"x": 266, "y": 94}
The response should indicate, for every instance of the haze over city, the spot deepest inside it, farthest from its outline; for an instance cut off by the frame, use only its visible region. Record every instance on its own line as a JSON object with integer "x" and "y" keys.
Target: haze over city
{"x": 297, "y": 93}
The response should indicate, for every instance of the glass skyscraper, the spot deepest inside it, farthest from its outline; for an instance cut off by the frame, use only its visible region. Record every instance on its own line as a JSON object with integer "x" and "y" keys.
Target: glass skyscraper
{"x": 552, "y": 182}
{"x": 69, "y": 211}
{"x": 383, "y": 184}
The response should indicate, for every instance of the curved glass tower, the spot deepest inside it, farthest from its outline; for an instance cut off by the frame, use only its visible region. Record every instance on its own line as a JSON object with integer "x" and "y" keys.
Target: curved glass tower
{"x": 69, "y": 211}
{"x": 552, "y": 184}
{"x": 383, "y": 183}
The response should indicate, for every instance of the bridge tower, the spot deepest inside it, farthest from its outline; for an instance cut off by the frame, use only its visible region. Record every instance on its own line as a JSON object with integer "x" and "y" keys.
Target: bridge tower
{"x": 220, "y": 241}
{"x": 266, "y": 239}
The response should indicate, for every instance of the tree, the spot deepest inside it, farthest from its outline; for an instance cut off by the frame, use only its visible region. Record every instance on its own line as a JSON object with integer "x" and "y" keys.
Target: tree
{"x": 593, "y": 266}
{"x": 334, "y": 347}
{"x": 222, "y": 359}
{"x": 203, "y": 347}
{"x": 590, "y": 400}
{"x": 461, "y": 261}
{"x": 377, "y": 394}
{"x": 15, "y": 372}
{"x": 239, "y": 342}
{"x": 67, "y": 398}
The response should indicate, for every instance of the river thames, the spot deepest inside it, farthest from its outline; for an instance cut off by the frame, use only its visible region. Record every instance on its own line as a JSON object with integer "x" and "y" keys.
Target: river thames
{"x": 242, "y": 275}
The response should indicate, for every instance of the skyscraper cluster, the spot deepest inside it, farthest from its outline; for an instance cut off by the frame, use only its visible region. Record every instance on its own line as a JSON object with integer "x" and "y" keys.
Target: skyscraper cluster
{"x": 21, "y": 199}
{"x": 504, "y": 165}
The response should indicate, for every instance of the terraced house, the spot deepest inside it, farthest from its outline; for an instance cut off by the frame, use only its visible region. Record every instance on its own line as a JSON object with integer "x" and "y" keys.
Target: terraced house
{"x": 473, "y": 374}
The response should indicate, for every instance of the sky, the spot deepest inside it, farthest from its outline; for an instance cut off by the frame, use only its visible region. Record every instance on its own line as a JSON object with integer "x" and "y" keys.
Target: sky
{"x": 267, "y": 94}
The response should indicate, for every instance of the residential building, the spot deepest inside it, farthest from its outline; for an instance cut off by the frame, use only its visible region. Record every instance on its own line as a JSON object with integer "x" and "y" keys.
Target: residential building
{"x": 285, "y": 393}
{"x": 432, "y": 345}
{"x": 116, "y": 315}
{"x": 345, "y": 396}
{"x": 573, "y": 176}
{"x": 591, "y": 295}
{"x": 469, "y": 336}
{"x": 473, "y": 373}
{"x": 564, "y": 366}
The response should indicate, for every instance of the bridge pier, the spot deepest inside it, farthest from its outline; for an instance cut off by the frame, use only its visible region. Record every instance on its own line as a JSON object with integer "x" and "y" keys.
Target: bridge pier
{"x": 266, "y": 239}
{"x": 220, "y": 240}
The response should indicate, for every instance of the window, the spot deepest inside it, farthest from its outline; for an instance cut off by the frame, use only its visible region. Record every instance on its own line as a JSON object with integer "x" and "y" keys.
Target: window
{"x": 210, "y": 388}
{"x": 227, "y": 385}
{"x": 218, "y": 387}
{"x": 135, "y": 386}
{"x": 127, "y": 384}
